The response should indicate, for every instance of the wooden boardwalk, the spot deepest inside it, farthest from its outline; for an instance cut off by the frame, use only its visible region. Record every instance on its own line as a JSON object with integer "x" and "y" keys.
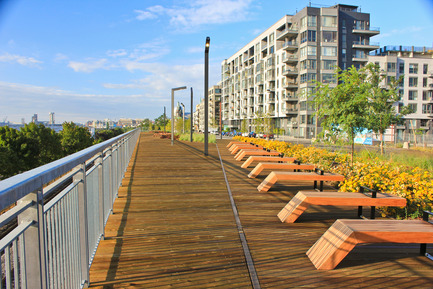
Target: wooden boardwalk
{"x": 173, "y": 227}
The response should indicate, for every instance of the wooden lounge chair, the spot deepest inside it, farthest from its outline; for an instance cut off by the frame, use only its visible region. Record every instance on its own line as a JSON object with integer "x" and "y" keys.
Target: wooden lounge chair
{"x": 244, "y": 153}
{"x": 344, "y": 235}
{"x": 237, "y": 147}
{"x": 276, "y": 159}
{"x": 279, "y": 166}
{"x": 234, "y": 142}
{"x": 303, "y": 199}
{"x": 317, "y": 175}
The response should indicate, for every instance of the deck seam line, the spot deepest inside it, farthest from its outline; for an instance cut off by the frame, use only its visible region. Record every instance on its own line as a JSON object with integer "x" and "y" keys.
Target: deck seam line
{"x": 248, "y": 258}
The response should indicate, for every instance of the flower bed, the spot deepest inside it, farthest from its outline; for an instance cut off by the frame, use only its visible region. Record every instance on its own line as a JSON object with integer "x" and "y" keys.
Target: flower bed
{"x": 415, "y": 184}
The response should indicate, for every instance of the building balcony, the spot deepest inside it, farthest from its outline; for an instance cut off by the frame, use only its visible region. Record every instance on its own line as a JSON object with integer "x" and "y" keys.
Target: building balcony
{"x": 291, "y": 31}
{"x": 271, "y": 100}
{"x": 359, "y": 58}
{"x": 430, "y": 74}
{"x": 366, "y": 45}
{"x": 291, "y": 85}
{"x": 290, "y": 45}
{"x": 291, "y": 111}
{"x": 290, "y": 58}
{"x": 290, "y": 72}
{"x": 290, "y": 97}
{"x": 367, "y": 30}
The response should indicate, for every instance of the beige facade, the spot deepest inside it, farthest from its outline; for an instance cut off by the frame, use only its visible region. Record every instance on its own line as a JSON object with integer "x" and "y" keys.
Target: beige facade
{"x": 214, "y": 95}
{"x": 415, "y": 64}
{"x": 272, "y": 76}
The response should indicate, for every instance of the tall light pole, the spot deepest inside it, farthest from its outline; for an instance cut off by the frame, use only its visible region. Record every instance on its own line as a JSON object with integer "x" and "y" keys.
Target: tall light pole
{"x": 183, "y": 117}
{"x": 192, "y": 117}
{"x": 172, "y": 111}
{"x": 206, "y": 92}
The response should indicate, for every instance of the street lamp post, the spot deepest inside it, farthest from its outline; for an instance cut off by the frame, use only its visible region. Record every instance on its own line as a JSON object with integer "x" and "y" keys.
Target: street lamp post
{"x": 206, "y": 92}
{"x": 183, "y": 117}
{"x": 192, "y": 118}
{"x": 172, "y": 111}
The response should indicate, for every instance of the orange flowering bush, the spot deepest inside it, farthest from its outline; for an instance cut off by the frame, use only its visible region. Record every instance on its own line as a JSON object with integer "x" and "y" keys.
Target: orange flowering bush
{"x": 415, "y": 184}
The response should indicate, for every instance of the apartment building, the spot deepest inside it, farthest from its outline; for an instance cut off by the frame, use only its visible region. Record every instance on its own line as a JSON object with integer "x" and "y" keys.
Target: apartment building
{"x": 415, "y": 64}
{"x": 214, "y": 116}
{"x": 272, "y": 75}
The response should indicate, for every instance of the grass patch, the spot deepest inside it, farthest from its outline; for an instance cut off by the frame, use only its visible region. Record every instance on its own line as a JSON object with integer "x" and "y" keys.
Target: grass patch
{"x": 197, "y": 137}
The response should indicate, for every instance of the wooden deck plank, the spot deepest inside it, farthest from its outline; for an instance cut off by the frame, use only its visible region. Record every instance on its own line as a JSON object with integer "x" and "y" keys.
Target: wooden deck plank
{"x": 172, "y": 225}
{"x": 180, "y": 233}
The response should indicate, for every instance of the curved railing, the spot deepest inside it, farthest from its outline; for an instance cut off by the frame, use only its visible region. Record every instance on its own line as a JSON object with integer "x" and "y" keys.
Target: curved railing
{"x": 54, "y": 215}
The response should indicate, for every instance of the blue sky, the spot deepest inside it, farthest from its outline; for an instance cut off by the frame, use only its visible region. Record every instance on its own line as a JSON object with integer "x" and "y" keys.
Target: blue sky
{"x": 96, "y": 59}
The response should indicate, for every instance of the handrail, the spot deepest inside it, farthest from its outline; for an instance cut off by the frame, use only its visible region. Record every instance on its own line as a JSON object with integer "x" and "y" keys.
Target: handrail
{"x": 16, "y": 187}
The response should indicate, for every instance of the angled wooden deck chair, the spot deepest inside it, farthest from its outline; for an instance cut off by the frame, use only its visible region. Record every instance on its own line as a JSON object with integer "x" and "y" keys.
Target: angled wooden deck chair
{"x": 245, "y": 153}
{"x": 297, "y": 166}
{"x": 337, "y": 242}
{"x": 234, "y": 142}
{"x": 237, "y": 147}
{"x": 317, "y": 176}
{"x": 276, "y": 159}
{"x": 303, "y": 199}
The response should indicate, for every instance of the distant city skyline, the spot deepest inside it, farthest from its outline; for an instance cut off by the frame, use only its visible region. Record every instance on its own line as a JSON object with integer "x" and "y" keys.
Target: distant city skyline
{"x": 98, "y": 59}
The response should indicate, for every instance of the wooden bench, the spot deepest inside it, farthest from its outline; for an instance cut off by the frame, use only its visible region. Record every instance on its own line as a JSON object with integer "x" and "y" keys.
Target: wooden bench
{"x": 279, "y": 166}
{"x": 276, "y": 159}
{"x": 237, "y": 147}
{"x": 244, "y": 153}
{"x": 316, "y": 176}
{"x": 235, "y": 142}
{"x": 303, "y": 199}
{"x": 344, "y": 235}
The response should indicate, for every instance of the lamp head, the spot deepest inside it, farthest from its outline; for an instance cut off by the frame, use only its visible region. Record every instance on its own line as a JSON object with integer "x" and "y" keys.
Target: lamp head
{"x": 207, "y": 43}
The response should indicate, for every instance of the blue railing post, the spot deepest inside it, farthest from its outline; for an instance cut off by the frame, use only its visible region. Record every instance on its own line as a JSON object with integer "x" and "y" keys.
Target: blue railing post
{"x": 80, "y": 178}
{"x": 34, "y": 241}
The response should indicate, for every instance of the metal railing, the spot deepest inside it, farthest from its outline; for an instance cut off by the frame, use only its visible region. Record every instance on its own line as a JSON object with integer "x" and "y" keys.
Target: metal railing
{"x": 57, "y": 213}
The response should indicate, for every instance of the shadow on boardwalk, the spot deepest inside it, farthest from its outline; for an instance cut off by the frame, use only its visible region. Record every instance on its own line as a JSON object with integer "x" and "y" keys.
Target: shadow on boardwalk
{"x": 173, "y": 227}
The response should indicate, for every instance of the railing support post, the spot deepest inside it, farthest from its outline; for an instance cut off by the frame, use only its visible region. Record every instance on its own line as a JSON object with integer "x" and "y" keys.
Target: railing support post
{"x": 99, "y": 163}
{"x": 110, "y": 174}
{"x": 34, "y": 241}
{"x": 80, "y": 177}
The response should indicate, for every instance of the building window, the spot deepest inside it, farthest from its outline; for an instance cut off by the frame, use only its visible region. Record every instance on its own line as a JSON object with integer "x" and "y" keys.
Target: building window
{"x": 427, "y": 108}
{"x": 309, "y": 35}
{"x": 413, "y": 107}
{"x": 424, "y": 82}
{"x": 329, "y": 51}
{"x": 328, "y": 78}
{"x": 329, "y": 64}
{"x": 425, "y": 69}
{"x": 413, "y": 81}
{"x": 425, "y": 95}
{"x": 311, "y": 50}
{"x": 413, "y": 68}
{"x": 329, "y": 21}
{"x": 391, "y": 67}
{"x": 303, "y": 22}
{"x": 308, "y": 64}
{"x": 271, "y": 50}
{"x": 312, "y": 20}
{"x": 360, "y": 54}
{"x": 359, "y": 25}
{"x": 329, "y": 36}
{"x": 401, "y": 68}
{"x": 307, "y": 77}
{"x": 413, "y": 95}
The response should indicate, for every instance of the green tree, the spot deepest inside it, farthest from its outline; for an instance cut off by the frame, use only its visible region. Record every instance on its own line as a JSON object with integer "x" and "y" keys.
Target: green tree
{"x": 259, "y": 122}
{"x": 74, "y": 138}
{"x": 381, "y": 111}
{"x": 244, "y": 125}
{"x": 147, "y": 124}
{"x": 161, "y": 122}
{"x": 106, "y": 134}
{"x": 342, "y": 109}
{"x": 46, "y": 140}
{"x": 13, "y": 150}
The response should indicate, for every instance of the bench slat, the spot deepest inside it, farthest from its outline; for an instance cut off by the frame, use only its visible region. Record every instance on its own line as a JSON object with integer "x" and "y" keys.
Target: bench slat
{"x": 344, "y": 235}
{"x": 252, "y": 159}
{"x": 303, "y": 199}
{"x": 278, "y": 166}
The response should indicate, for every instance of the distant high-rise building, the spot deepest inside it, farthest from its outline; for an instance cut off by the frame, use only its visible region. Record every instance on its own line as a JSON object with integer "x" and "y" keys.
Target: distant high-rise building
{"x": 273, "y": 75}
{"x": 35, "y": 118}
{"x": 51, "y": 121}
{"x": 23, "y": 121}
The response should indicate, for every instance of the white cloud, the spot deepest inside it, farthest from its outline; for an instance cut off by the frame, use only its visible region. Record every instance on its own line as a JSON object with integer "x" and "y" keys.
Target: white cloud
{"x": 23, "y": 60}
{"x": 89, "y": 66}
{"x": 200, "y": 12}
{"x": 117, "y": 53}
